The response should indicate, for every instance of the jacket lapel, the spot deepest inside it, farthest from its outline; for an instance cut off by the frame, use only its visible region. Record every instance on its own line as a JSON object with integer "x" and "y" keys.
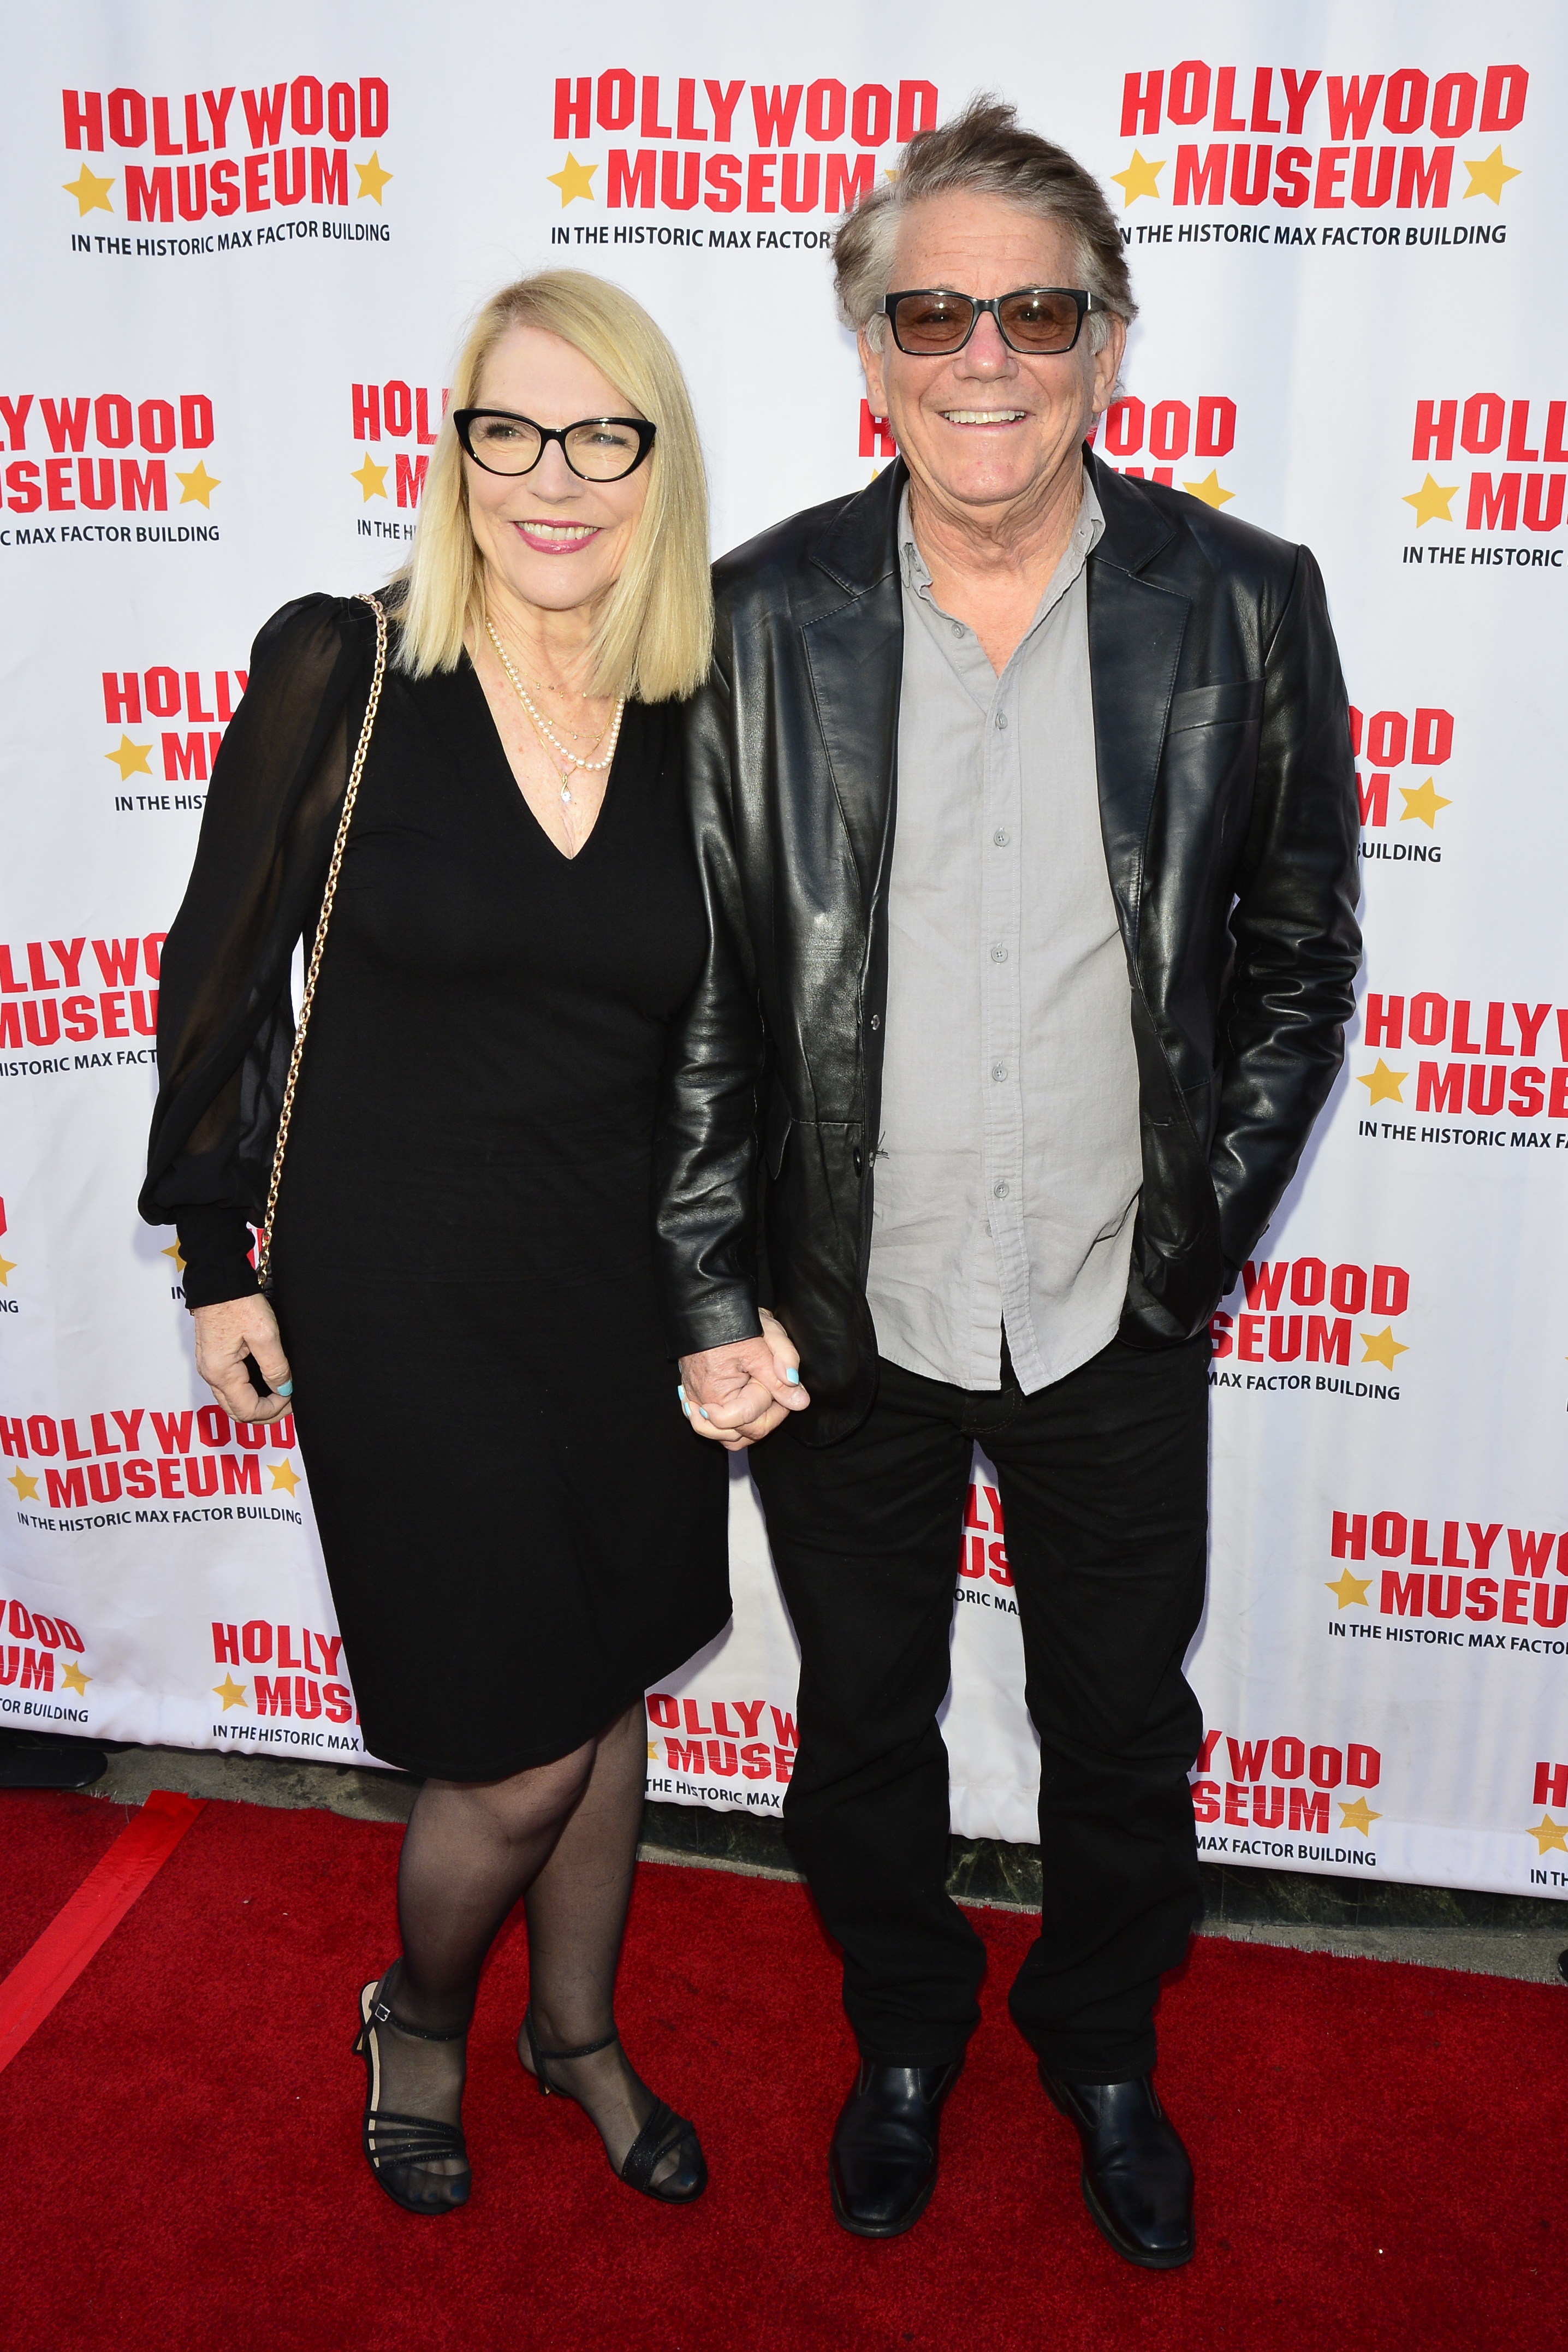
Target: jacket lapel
{"x": 1136, "y": 631}
{"x": 854, "y": 654}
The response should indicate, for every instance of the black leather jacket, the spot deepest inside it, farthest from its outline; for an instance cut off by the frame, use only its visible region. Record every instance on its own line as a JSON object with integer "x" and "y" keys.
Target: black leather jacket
{"x": 1229, "y": 817}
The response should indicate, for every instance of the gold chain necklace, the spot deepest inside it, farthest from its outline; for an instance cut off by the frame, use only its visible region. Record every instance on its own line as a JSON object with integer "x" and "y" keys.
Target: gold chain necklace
{"x": 547, "y": 733}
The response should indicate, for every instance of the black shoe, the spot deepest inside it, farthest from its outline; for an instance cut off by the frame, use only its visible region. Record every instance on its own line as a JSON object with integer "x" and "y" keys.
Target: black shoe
{"x": 1137, "y": 2178}
{"x": 664, "y": 2134}
{"x": 883, "y": 2162}
{"x": 400, "y": 2150}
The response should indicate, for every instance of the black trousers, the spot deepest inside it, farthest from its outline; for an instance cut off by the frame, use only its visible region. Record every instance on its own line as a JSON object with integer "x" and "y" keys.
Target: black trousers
{"x": 1104, "y": 1486}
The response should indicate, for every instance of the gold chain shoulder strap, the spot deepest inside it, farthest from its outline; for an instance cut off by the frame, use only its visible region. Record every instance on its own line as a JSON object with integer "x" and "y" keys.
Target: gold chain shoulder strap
{"x": 264, "y": 1252}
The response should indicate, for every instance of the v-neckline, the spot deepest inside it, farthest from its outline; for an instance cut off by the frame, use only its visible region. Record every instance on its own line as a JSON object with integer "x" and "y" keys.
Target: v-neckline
{"x": 519, "y": 796}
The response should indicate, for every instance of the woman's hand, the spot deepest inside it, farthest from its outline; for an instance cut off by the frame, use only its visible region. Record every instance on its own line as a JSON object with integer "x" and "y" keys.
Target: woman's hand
{"x": 739, "y": 1393}
{"x": 226, "y": 1335}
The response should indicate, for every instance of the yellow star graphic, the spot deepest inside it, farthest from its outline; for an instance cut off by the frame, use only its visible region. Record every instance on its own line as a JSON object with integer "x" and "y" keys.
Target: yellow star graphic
{"x": 1140, "y": 179}
{"x": 653, "y": 1751}
{"x": 574, "y": 179}
{"x": 73, "y": 1679}
{"x": 1350, "y": 1591}
{"x": 130, "y": 759}
{"x": 1359, "y": 1816}
{"x": 372, "y": 178}
{"x": 27, "y": 1488}
{"x": 197, "y": 486}
{"x": 1209, "y": 490}
{"x": 175, "y": 1252}
{"x": 1489, "y": 175}
{"x": 7, "y": 1266}
{"x": 1548, "y": 1833}
{"x": 284, "y": 1473}
{"x": 1431, "y": 501}
{"x": 371, "y": 477}
{"x": 1422, "y": 801}
{"x": 1382, "y": 1083}
{"x": 231, "y": 1693}
{"x": 1381, "y": 1346}
{"x": 91, "y": 194}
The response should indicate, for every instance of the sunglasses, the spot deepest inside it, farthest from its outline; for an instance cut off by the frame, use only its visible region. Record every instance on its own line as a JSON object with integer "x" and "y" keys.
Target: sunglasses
{"x": 929, "y": 323}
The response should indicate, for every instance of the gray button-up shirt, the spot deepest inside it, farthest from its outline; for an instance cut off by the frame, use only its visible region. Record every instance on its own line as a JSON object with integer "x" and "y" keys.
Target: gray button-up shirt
{"x": 1009, "y": 1163}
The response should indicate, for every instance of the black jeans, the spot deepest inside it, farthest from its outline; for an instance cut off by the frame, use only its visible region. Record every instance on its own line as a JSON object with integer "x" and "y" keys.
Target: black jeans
{"x": 1104, "y": 1484}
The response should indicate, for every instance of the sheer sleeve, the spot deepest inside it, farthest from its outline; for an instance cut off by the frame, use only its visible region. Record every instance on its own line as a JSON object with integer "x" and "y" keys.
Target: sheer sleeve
{"x": 226, "y": 1022}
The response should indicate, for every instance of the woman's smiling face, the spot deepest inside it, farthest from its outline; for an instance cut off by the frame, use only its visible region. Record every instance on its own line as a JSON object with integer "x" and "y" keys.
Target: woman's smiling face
{"x": 553, "y": 539}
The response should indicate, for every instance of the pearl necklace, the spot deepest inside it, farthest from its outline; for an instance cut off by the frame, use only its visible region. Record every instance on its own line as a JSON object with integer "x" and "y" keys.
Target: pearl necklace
{"x": 547, "y": 733}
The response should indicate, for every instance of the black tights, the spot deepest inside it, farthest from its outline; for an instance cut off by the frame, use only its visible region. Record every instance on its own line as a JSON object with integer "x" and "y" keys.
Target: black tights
{"x": 563, "y": 1838}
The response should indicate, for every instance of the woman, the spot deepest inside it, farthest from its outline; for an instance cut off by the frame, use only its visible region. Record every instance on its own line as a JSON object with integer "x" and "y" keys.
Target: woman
{"x": 519, "y": 1533}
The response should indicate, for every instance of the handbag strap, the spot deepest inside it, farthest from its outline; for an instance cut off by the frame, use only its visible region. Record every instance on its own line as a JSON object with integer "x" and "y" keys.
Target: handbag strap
{"x": 264, "y": 1252}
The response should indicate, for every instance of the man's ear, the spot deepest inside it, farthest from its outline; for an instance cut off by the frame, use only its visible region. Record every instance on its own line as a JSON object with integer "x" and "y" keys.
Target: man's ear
{"x": 876, "y": 384}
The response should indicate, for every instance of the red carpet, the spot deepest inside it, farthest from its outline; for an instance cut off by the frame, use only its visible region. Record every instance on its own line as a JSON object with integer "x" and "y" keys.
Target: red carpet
{"x": 1382, "y": 2151}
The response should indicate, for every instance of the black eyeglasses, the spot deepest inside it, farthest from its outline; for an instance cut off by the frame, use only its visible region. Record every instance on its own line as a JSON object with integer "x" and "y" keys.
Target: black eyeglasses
{"x": 932, "y": 323}
{"x": 597, "y": 449}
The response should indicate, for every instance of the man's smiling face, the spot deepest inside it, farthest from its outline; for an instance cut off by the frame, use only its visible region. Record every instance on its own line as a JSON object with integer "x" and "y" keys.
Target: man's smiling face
{"x": 984, "y": 429}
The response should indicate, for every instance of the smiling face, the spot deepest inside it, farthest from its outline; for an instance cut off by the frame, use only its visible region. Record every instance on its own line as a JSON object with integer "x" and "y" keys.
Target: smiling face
{"x": 990, "y": 428}
{"x": 548, "y": 537}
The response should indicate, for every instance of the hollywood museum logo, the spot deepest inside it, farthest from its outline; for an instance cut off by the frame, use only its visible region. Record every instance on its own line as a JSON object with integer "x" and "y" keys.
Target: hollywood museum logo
{"x": 225, "y": 177}
{"x": 1278, "y": 151}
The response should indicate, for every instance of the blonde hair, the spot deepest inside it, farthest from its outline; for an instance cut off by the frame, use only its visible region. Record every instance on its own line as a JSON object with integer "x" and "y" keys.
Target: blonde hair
{"x": 655, "y": 636}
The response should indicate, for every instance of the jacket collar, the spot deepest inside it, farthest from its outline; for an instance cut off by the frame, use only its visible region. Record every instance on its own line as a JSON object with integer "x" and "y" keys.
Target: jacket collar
{"x": 1135, "y": 529}
{"x": 861, "y": 545}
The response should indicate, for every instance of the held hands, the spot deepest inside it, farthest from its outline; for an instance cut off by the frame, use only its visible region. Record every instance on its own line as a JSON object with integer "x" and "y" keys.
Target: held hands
{"x": 226, "y": 1335}
{"x": 738, "y": 1393}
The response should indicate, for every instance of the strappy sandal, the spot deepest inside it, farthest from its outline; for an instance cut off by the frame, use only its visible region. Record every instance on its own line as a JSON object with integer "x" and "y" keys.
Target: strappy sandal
{"x": 664, "y": 2133}
{"x": 393, "y": 2143}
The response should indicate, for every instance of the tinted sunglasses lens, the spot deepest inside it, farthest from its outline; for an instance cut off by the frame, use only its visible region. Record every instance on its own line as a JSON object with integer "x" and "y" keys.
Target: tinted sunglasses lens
{"x": 1040, "y": 322}
{"x": 505, "y": 445}
{"x": 602, "y": 451}
{"x": 931, "y": 322}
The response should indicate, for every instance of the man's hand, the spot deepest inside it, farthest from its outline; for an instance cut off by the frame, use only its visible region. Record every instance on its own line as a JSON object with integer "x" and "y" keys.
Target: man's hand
{"x": 226, "y": 1335}
{"x": 738, "y": 1393}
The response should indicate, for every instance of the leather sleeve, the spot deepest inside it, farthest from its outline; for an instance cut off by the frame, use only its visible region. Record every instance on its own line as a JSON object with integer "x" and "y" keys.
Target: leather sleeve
{"x": 706, "y": 1142}
{"x": 1297, "y": 940}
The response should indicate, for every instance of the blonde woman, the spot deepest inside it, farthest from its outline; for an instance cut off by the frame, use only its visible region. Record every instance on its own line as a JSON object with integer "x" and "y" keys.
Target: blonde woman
{"x": 519, "y": 1532}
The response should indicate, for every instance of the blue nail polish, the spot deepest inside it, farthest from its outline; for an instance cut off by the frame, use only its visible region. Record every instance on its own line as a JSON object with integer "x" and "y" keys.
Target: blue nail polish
{"x": 792, "y": 1376}
{"x": 680, "y": 1391}
{"x": 703, "y": 1410}
{"x": 284, "y": 1388}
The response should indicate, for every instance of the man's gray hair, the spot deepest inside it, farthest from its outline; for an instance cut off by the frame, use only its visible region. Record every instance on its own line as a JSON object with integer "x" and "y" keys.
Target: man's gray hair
{"x": 984, "y": 151}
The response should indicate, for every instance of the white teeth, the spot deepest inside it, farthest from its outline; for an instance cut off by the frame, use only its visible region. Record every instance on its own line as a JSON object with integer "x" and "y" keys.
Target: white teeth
{"x": 984, "y": 415}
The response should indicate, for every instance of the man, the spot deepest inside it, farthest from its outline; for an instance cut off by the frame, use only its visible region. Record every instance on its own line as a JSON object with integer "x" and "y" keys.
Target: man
{"x": 1028, "y": 795}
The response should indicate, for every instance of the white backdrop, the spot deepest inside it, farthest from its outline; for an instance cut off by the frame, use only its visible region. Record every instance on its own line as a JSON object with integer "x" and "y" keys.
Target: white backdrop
{"x": 241, "y": 252}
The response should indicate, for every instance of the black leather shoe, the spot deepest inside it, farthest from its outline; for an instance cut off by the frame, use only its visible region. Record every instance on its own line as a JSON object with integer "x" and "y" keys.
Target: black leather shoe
{"x": 1137, "y": 2177}
{"x": 882, "y": 2165}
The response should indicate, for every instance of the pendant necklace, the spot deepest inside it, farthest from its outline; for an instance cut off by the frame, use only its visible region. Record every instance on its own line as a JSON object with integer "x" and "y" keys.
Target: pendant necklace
{"x": 547, "y": 733}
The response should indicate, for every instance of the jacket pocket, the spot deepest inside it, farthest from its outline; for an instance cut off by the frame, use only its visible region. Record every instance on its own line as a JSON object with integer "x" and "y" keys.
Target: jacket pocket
{"x": 1215, "y": 705}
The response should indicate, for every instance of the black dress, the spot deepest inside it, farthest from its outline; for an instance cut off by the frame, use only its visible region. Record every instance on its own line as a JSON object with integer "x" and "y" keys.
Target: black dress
{"x": 520, "y": 1532}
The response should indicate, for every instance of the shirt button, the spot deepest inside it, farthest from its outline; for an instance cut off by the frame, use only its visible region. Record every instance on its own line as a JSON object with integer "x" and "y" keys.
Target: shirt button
{"x": 876, "y": 1019}
{"x": 998, "y": 953}
{"x": 958, "y": 628}
{"x": 1001, "y": 720}
{"x": 1001, "y": 837}
{"x": 998, "y": 1071}
{"x": 1000, "y": 1191}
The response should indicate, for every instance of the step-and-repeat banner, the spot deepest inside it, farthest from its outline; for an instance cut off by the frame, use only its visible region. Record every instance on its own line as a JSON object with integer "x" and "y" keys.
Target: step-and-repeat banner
{"x": 242, "y": 245}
